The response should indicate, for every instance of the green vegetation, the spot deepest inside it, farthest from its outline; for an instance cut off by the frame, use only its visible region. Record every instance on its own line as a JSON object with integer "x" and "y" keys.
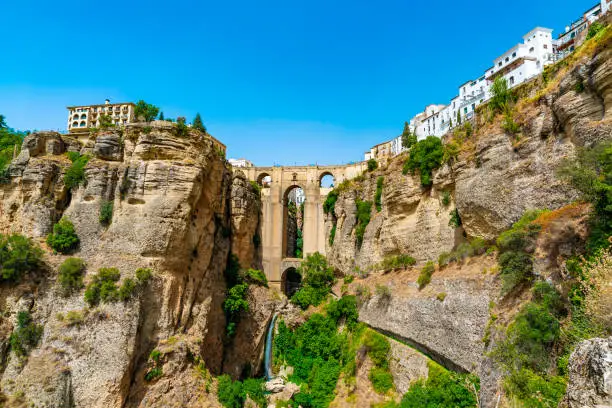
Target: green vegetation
{"x": 198, "y": 124}
{"x": 515, "y": 259}
{"x": 372, "y": 165}
{"x": 299, "y": 242}
{"x": 446, "y": 198}
{"x": 364, "y": 211}
{"x": 145, "y": 111}
{"x": 181, "y": 126}
{"x": 233, "y": 394}
{"x": 317, "y": 279}
{"x": 508, "y": 123}
{"x": 442, "y": 388}
{"x": 396, "y": 262}
{"x": 235, "y": 303}
{"x": 425, "y": 275}
{"x": 332, "y": 235}
{"x": 330, "y": 202}
{"x": 18, "y": 255}
{"x": 501, "y": 96}
{"x": 155, "y": 371}
{"x": 595, "y": 29}
{"x": 455, "y": 219}
{"x": 75, "y": 175}
{"x": 106, "y": 212}
{"x": 143, "y": 275}
{"x": 409, "y": 139}
{"x": 378, "y": 196}
{"x": 26, "y": 335}
{"x": 106, "y": 122}
{"x": 476, "y": 246}
{"x": 64, "y": 238}
{"x": 255, "y": 187}
{"x": 256, "y": 277}
{"x": 103, "y": 286}
{"x": 425, "y": 156}
{"x": 10, "y": 141}
{"x": 70, "y": 276}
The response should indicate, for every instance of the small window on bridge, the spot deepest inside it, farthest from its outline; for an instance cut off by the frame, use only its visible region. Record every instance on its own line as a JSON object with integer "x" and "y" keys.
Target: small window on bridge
{"x": 327, "y": 180}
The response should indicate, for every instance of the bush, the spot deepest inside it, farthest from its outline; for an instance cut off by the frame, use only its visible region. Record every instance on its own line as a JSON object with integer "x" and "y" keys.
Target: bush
{"x": 229, "y": 392}
{"x": 70, "y": 275}
{"x": 378, "y": 196}
{"x": 26, "y": 335}
{"x": 106, "y": 212}
{"x": 64, "y": 238}
{"x": 383, "y": 291}
{"x": 145, "y": 111}
{"x": 75, "y": 175}
{"x": 501, "y": 96}
{"x": 378, "y": 348}
{"x": 235, "y": 303}
{"x": 317, "y": 279}
{"x": 18, "y": 255}
{"x": 143, "y": 275}
{"x": 181, "y": 127}
{"x": 330, "y": 202}
{"x": 103, "y": 287}
{"x": 425, "y": 156}
{"x": 255, "y": 187}
{"x": 594, "y": 29}
{"x": 516, "y": 268}
{"x": 425, "y": 275}
{"x": 127, "y": 289}
{"x": 381, "y": 379}
{"x": 534, "y": 390}
{"x": 346, "y": 308}
{"x": 444, "y": 259}
{"x": 332, "y": 235}
{"x": 508, "y": 123}
{"x": 397, "y": 261}
{"x": 256, "y": 277}
{"x": 441, "y": 296}
{"x": 455, "y": 219}
{"x": 372, "y": 165}
{"x": 364, "y": 210}
{"x": 446, "y": 198}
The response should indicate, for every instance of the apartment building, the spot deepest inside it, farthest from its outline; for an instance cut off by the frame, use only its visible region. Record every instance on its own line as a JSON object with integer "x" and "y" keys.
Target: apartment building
{"x": 240, "y": 163}
{"x": 81, "y": 118}
{"x": 575, "y": 33}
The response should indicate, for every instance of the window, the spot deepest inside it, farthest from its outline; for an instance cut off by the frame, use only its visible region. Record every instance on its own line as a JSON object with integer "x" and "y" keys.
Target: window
{"x": 531, "y": 49}
{"x": 82, "y": 124}
{"x": 473, "y": 106}
{"x": 545, "y": 46}
{"x": 514, "y": 55}
{"x": 75, "y": 124}
{"x": 465, "y": 110}
{"x": 507, "y": 59}
{"x": 500, "y": 63}
{"x": 511, "y": 80}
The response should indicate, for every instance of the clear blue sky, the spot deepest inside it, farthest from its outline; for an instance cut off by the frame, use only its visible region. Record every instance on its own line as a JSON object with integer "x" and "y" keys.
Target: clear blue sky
{"x": 292, "y": 81}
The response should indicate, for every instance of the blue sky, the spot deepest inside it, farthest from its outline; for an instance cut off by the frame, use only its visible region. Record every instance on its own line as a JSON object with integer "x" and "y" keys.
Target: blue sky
{"x": 279, "y": 82}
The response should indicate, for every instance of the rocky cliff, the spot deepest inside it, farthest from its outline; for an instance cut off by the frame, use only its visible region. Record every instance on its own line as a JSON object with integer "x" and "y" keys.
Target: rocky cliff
{"x": 175, "y": 209}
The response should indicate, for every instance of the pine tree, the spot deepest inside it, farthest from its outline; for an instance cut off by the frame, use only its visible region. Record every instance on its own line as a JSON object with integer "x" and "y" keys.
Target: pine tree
{"x": 458, "y": 117}
{"x": 161, "y": 116}
{"x": 409, "y": 139}
{"x": 197, "y": 123}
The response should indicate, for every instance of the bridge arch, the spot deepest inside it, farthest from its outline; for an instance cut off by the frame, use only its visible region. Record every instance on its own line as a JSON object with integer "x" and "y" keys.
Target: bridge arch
{"x": 327, "y": 179}
{"x": 291, "y": 281}
{"x": 264, "y": 179}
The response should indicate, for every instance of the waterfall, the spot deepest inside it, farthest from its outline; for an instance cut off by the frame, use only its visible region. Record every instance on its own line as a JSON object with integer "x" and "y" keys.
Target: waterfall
{"x": 268, "y": 349}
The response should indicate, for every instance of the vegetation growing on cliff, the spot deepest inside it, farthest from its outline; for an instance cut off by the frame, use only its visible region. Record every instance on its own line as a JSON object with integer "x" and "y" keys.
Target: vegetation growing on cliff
{"x": 378, "y": 196}
{"x": 10, "y": 141}
{"x": 103, "y": 286}
{"x": 75, "y": 175}
{"x": 18, "y": 255}
{"x": 233, "y": 394}
{"x": 317, "y": 280}
{"x": 364, "y": 212}
{"x": 425, "y": 156}
{"x": 70, "y": 275}
{"x": 64, "y": 238}
{"x": 26, "y": 335}
{"x": 145, "y": 111}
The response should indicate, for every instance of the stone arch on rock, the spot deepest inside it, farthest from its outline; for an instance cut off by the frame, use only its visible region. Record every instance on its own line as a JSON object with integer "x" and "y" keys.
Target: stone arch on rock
{"x": 291, "y": 281}
{"x": 264, "y": 179}
{"x": 324, "y": 177}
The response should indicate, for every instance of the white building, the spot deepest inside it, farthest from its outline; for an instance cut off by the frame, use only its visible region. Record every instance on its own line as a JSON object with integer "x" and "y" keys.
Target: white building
{"x": 524, "y": 61}
{"x": 297, "y": 196}
{"x": 576, "y": 32}
{"x": 240, "y": 163}
{"x": 81, "y": 118}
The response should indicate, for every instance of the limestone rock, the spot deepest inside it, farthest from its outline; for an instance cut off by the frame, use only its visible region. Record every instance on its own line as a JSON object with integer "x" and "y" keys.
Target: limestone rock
{"x": 108, "y": 146}
{"x": 245, "y": 210}
{"x": 590, "y": 372}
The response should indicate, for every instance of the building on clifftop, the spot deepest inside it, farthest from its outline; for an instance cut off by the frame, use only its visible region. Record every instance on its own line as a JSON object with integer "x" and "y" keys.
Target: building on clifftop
{"x": 83, "y": 117}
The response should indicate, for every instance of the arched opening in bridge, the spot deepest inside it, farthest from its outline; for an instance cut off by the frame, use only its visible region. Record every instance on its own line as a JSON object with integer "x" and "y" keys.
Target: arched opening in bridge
{"x": 293, "y": 222}
{"x": 327, "y": 180}
{"x": 264, "y": 180}
{"x": 291, "y": 281}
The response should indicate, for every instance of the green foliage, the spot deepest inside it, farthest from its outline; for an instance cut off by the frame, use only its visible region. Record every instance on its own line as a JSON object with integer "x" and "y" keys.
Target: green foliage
{"x": 378, "y": 348}
{"x": 106, "y": 212}
{"x": 156, "y": 370}
{"x": 501, "y": 96}
{"x": 255, "y": 187}
{"x": 18, "y": 255}
{"x": 446, "y": 198}
{"x": 235, "y": 303}
{"x": 458, "y": 117}
{"x": 127, "y": 289}
{"x": 344, "y": 308}
{"x": 106, "y": 121}
{"x": 181, "y": 126}
{"x": 26, "y": 335}
{"x": 256, "y": 277}
{"x": 299, "y": 244}
{"x": 397, "y": 261}
{"x": 425, "y": 156}
{"x": 145, "y": 111}
{"x": 508, "y": 123}
{"x": 455, "y": 219}
{"x": 330, "y": 202}
{"x": 103, "y": 287}
{"x": 143, "y": 275}
{"x": 233, "y": 394}
{"x": 595, "y": 29}
{"x": 378, "y": 196}
{"x": 70, "y": 275}
{"x": 409, "y": 139}
{"x": 383, "y": 291}
{"x": 372, "y": 165}
{"x": 425, "y": 275}
{"x": 364, "y": 211}
{"x": 75, "y": 175}
{"x": 442, "y": 389}
{"x": 198, "y": 124}
{"x": 476, "y": 246}
{"x": 317, "y": 279}
{"x": 332, "y": 235}
{"x": 533, "y": 390}
{"x": 64, "y": 238}
{"x": 381, "y": 379}
{"x": 10, "y": 140}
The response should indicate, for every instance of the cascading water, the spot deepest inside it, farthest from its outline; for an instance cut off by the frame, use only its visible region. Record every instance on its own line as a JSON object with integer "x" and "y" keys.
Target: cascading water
{"x": 268, "y": 349}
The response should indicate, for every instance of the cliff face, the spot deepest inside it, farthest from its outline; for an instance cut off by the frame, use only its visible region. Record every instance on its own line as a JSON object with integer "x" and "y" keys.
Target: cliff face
{"x": 177, "y": 211}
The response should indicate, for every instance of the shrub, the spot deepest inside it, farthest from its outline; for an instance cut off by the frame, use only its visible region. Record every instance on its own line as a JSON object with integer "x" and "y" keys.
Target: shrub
{"x": 198, "y": 124}
{"x": 70, "y": 275}
{"x": 106, "y": 212}
{"x": 127, "y": 289}
{"x": 372, "y": 165}
{"x": 508, "y": 123}
{"x": 381, "y": 379}
{"x": 75, "y": 175}
{"x": 441, "y": 296}
{"x": 257, "y": 277}
{"x": 446, "y": 198}
{"x": 455, "y": 219}
{"x": 143, "y": 275}
{"x": 378, "y": 196}
{"x": 153, "y": 374}
{"x": 501, "y": 95}
{"x": 442, "y": 389}
{"x": 181, "y": 127}
{"x": 346, "y": 308}
{"x": 444, "y": 259}
{"x": 18, "y": 255}
{"x": 383, "y": 291}
{"x": 255, "y": 187}
{"x": 330, "y": 202}
{"x": 378, "y": 348}
{"x": 364, "y": 210}
{"x": 478, "y": 246}
{"x": 64, "y": 238}
{"x": 103, "y": 287}
{"x": 363, "y": 293}
{"x": 26, "y": 335}
{"x": 425, "y": 156}
{"x": 594, "y": 29}
{"x": 534, "y": 390}
{"x": 397, "y": 261}
{"x": 229, "y": 392}
{"x": 425, "y": 275}
{"x": 516, "y": 268}
{"x": 145, "y": 111}
{"x": 74, "y": 317}
{"x": 332, "y": 235}
{"x": 235, "y": 303}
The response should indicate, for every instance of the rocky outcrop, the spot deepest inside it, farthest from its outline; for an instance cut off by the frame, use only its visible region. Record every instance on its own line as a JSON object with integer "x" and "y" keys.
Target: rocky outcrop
{"x": 172, "y": 198}
{"x": 245, "y": 221}
{"x": 590, "y": 375}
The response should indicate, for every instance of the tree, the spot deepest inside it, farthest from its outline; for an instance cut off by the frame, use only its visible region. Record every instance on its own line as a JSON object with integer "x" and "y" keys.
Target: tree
{"x": 500, "y": 95}
{"x": 197, "y": 123}
{"x": 458, "y": 117}
{"x": 409, "y": 139}
{"x": 146, "y": 111}
{"x": 425, "y": 156}
{"x": 161, "y": 116}
{"x": 2, "y": 122}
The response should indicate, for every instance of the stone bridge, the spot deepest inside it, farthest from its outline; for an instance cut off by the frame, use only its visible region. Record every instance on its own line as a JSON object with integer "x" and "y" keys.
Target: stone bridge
{"x": 274, "y": 211}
